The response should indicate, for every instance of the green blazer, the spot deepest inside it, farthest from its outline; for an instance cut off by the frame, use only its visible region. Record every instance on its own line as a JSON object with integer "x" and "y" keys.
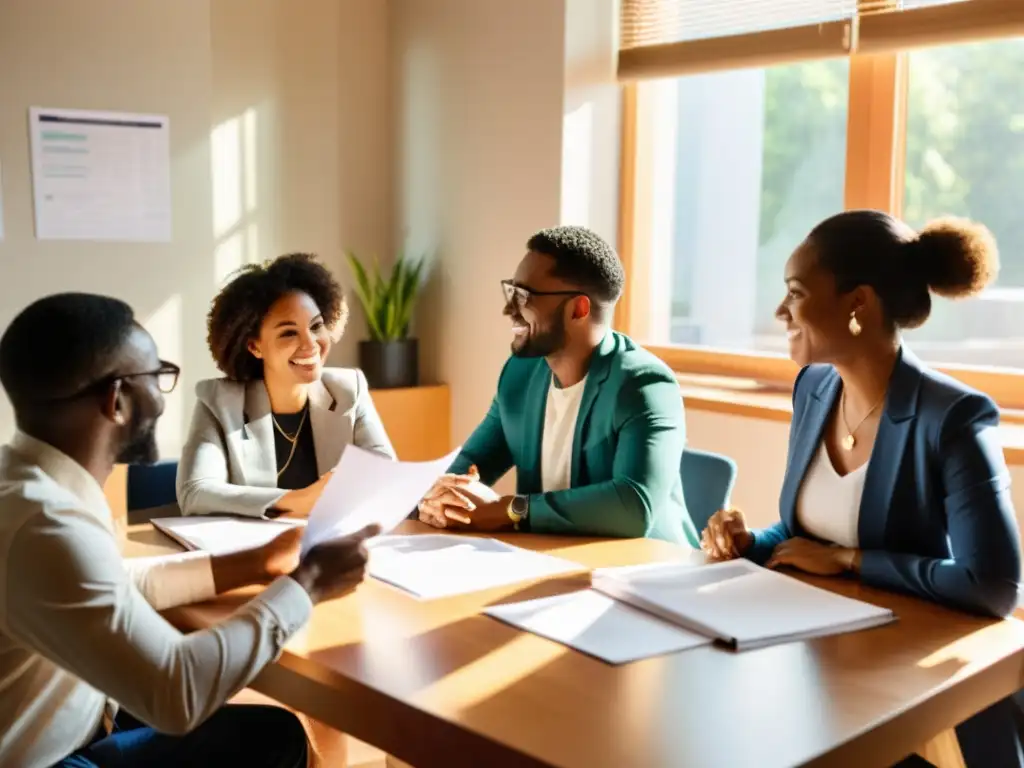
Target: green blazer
{"x": 626, "y": 449}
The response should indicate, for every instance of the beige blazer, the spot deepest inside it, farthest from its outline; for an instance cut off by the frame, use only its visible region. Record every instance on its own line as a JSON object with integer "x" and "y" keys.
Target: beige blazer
{"x": 229, "y": 464}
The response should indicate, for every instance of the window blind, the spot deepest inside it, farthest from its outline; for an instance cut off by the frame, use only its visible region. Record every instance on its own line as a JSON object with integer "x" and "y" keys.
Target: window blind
{"x": 887, "y": 26}
{"x": 660, "y": 38}
{"x": 659, "y": 22}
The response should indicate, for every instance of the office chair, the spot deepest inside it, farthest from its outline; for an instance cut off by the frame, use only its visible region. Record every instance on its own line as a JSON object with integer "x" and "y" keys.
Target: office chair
{"x": 708, "y": 479}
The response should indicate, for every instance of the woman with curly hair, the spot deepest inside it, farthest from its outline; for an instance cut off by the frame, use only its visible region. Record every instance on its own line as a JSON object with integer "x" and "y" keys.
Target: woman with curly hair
{"x": 265, "y": 438}
{"x": 896, "y": 475}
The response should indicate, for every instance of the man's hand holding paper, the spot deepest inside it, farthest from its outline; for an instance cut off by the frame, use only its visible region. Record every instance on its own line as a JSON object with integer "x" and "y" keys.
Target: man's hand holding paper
{"x": 368, "y": 489}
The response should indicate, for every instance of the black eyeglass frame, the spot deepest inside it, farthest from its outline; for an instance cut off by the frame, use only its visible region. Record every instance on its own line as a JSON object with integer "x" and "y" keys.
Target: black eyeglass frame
{"x": 520, "y": 294}
{"x": 165, "y": 369}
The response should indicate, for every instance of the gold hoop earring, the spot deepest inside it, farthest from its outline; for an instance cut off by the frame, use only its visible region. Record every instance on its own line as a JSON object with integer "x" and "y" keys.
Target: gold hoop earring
{"x": 855, "y": 328}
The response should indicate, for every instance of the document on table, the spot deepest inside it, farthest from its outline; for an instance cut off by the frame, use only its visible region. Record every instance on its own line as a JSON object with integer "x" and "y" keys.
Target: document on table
{"x": 222, "y": 534}
{"x": 431, "y": 566}
{"x": 598, "y": 625}
{"x": 738, "y": 602}
{"x": 369, "y": 488}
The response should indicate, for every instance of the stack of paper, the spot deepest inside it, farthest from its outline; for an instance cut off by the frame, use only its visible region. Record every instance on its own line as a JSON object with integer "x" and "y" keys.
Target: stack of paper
{"x": 738, "y": 603}
{"x": 598, "y": 626}
{"x": 431, "y": 566}
{"x": 221, "y": 535}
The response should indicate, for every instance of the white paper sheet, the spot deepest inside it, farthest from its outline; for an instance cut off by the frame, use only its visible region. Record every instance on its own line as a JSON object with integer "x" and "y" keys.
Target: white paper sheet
{"x": 220, "y": 535}
{"x": 101, "y": 175}
{"x": 369, "y": 488}
{"x": 431, "y": 566}
{"x": 598, "y": 626}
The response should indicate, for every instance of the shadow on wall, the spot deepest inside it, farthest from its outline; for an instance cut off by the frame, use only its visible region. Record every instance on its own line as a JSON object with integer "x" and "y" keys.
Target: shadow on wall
{"x": 418, "y": 82}
{"x": 178, "y": 324}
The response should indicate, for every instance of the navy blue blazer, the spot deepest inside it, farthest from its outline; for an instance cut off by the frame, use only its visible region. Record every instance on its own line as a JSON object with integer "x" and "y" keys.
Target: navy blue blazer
{"x": 936, "y": 517}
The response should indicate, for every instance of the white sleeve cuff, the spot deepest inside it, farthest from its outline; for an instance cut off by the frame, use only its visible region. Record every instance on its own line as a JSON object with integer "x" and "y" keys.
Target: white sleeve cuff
{"x": 289, "y": 603}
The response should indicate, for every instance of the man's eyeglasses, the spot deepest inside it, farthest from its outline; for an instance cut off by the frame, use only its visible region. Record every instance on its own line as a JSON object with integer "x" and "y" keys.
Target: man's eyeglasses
{"x": 167, "y": 376}
{"x": 519, "y": 295}
{"x": 166, "y": 380}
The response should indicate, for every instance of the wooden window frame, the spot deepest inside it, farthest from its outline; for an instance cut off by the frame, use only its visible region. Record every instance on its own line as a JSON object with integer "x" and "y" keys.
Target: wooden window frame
{"x": 876, "y": 131}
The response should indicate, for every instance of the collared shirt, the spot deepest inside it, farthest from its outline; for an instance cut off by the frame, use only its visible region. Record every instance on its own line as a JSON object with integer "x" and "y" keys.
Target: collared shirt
{"x": 79, "y": 625}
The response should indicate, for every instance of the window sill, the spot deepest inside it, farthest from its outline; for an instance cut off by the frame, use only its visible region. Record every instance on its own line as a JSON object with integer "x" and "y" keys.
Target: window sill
{"x": 749, "y": 399}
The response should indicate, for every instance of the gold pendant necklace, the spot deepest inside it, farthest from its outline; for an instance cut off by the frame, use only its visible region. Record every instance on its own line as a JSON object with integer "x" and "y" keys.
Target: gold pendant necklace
{"x": 850, "y": 441}
{"x": 285, "y": 435}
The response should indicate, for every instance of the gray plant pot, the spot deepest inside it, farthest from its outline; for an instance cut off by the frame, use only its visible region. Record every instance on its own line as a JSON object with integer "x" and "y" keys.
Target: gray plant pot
{"x": 390, "y": 364}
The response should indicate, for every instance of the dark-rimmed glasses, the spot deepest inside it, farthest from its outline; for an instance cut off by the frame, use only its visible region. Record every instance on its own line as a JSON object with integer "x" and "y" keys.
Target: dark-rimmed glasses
{"x": 167, "y": 376}
{"x": 517, "y": 295}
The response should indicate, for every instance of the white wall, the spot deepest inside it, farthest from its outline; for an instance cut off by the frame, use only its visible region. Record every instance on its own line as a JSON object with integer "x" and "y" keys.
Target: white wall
{"x": 295, "y": 97}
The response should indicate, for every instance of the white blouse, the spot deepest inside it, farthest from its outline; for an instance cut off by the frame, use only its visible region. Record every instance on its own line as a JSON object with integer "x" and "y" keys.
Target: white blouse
{"x": 828, "y": 506}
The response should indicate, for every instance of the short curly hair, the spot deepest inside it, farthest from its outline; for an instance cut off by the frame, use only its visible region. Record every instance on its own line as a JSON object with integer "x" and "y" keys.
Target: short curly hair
{"x": 583, "y": 258}
{"x": 86, "y": 333}
{"x": 238, "y": 310}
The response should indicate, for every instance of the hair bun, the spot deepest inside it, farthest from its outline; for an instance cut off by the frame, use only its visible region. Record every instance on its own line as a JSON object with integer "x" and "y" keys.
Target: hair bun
{"x": 957, "y": 257}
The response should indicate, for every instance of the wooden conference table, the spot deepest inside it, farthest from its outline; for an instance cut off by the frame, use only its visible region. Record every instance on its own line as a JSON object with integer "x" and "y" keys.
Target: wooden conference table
{"x": 436, "y": 684}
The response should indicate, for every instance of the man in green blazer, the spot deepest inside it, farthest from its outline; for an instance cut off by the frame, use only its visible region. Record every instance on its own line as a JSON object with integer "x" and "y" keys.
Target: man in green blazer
{"x": 592, "y": 423}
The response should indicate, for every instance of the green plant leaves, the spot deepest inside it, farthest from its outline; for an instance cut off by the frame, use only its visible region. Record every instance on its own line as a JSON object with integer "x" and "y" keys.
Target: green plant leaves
{"x": 387, "y": 302}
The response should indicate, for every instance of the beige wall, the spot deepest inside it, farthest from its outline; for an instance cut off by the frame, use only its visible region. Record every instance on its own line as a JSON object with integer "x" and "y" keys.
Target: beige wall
{"x": 294, "y": 95}
{"x": 478, "y": 103}
{"x": 591, "y": 118}
{"x": 506, "y": 121}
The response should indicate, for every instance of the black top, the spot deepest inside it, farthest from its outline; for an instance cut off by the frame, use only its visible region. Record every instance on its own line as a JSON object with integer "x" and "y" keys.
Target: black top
{"x": 302, "y": 469}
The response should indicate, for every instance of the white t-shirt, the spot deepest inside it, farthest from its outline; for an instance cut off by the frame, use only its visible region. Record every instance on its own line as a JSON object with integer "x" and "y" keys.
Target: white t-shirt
{"x": 559, "y": 425}
{"x": 829, "y": 504}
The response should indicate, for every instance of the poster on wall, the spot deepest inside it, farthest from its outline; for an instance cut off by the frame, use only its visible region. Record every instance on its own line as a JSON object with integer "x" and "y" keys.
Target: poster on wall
{"x": 101, "y": 175}
{"x": 1, "y": 202}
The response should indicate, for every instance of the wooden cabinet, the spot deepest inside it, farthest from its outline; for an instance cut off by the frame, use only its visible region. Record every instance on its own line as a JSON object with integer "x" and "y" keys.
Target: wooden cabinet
{"x": 418, "y": 420}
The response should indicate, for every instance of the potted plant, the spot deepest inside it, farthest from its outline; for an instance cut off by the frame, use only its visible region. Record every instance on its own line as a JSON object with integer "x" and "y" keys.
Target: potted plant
{"x": 389, "y": 358}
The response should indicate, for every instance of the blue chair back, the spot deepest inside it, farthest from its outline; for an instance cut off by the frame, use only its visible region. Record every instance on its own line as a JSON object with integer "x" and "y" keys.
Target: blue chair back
{"x": 708, "y": 479}
{"x": 153, "y": 485}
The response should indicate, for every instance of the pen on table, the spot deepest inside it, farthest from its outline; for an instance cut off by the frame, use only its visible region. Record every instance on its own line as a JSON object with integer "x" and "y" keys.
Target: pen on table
{"x": 457, "y": 517}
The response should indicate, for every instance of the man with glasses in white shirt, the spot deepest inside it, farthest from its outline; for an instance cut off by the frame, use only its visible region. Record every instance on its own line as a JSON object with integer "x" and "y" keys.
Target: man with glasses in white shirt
{"x": 91, "y": 674}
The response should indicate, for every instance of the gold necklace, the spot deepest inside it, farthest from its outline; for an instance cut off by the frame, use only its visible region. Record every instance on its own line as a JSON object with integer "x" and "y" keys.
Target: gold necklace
{"x": 294, "y": 440}
{"x": 285, "y": 435}
{"x": 850, "y": 441}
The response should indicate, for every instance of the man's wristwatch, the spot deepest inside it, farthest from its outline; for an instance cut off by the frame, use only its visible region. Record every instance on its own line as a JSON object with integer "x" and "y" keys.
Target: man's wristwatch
{"x": 518, "y": 509}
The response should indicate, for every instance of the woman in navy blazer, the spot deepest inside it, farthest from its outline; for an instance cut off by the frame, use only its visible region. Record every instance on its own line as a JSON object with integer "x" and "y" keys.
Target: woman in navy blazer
{"x": 895, "y": 472}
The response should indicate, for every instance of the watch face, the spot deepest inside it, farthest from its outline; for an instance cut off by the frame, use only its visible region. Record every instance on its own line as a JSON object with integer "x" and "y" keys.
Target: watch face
{"x": 520, "y": 505}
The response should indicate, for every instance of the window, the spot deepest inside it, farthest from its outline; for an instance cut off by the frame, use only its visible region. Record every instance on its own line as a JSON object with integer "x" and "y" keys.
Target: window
{"x": 965, "y": 156}
{"x": 751, "y": 160}
{"x": 735, "y": 147}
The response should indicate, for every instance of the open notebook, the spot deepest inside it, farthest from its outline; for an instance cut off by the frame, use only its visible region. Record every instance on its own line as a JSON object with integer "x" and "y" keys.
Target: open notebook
{"x": 221, "y": 534}
{"x": 737, "y": 602}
